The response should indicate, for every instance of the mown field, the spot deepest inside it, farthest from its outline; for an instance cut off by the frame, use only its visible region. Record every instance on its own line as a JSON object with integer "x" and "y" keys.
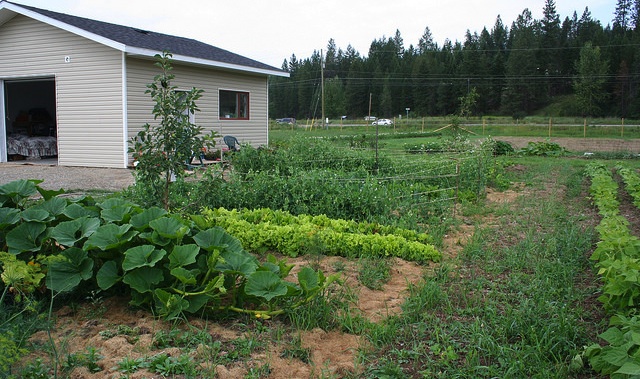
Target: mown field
{"x": 448, "y": 260}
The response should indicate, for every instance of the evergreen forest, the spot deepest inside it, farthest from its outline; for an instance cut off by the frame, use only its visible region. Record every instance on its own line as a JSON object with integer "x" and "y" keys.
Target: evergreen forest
{"x": 560, "y": 67}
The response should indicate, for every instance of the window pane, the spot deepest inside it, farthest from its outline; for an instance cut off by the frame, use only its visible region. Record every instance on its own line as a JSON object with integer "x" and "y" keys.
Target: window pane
{"x": 234, "y": 105}
{"x": 228, "y": 104}
{"x": 243, "y": 105}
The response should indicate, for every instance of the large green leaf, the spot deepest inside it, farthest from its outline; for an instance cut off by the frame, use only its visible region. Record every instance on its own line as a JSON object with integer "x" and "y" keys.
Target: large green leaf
{"x": 9, "y": 217}
{"x": 64, "y": 275}
{"x": 141, "y": 256}
{"x": 265, "y": 284}
{"x": 37, "y": 215}
{"x": 308, "y": 279}
{"x": 75, "y": 210}
{"x": 184, "y": 275}
{"x": 143, "y": 279}
{"x": 121, "y": 213}
{"x": 113, "y": 202}
{"x": 169, "y": 227}
{"x": 630, "y": 368}
{"x": 110, "y": 236}
{"x": 217, "y": 238}
{"x": 108, "y": 275}
{"x": 55, "y": 206}
{"x": 141, "y": 220}
{"x": 50, "y": 194}
{"x": 26, "y": 237}
{"x": 13, "y": 193}
{"x": 183, "y": 255}
{"x": 240, "y": 263}
{"x": 197, "y": 302}
{"x": 67, "y": 233}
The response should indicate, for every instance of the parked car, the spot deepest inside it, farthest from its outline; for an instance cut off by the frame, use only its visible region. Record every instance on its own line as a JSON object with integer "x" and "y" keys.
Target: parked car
{"x": 286, "y": 120}
{"x": 382, "y": 121}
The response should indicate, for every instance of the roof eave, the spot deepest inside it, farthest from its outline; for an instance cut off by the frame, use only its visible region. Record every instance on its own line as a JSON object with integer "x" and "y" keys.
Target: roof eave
{"x": 136, "y": 51}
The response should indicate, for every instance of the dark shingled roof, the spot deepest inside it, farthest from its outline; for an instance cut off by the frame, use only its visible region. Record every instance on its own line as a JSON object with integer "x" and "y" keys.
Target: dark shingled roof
{"x": 145, "y": 39}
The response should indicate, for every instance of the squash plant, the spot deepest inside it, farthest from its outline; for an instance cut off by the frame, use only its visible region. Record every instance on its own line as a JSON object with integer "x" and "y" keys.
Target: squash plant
{"x": 161, "y": 260}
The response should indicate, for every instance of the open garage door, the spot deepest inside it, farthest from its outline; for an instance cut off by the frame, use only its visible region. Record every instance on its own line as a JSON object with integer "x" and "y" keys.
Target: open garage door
{"x": 29, "y": 128}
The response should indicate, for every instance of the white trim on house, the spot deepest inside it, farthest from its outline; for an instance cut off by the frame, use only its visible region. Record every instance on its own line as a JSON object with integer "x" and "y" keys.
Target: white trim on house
{"x": 125, "y": 111}
{"x": 3, "y": 125}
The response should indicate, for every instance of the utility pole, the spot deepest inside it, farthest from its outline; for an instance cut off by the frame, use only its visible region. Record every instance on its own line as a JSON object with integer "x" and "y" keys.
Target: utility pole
{"x": 322, "y": 86}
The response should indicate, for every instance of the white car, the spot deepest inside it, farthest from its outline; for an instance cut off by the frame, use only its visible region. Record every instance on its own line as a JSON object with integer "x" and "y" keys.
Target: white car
{"x": 382, "y": 121}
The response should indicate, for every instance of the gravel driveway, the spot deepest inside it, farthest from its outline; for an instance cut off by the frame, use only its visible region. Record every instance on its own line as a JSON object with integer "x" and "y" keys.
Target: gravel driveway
{"x": 68, "y": 178}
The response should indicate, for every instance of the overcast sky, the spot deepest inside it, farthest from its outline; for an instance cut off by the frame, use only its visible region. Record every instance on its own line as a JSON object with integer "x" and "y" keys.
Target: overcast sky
{"x": 272, "y": 30}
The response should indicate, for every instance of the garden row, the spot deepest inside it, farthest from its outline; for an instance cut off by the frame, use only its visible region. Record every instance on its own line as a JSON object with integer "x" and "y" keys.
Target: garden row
{"x": 268, "y": 230}
{"x": 617, "y": 257}
{"x": 172, "y": 263}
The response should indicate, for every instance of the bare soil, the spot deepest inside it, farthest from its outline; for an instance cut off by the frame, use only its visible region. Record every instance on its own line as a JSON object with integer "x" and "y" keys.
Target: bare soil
{"x": 333, "y": 353}
{"x": 580, "y": 145}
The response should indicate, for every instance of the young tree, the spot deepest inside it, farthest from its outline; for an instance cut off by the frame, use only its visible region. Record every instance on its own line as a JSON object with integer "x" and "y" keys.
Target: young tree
{"x": 161, "y": 151}
{"x": 589, "y": 83}
{"x": 468, "y": 103}
{"x": 334, "y": 98}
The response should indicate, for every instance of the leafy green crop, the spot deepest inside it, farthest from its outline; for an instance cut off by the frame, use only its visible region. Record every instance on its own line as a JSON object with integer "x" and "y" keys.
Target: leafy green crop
{"x": 618, "y": 252}
{"x": 619, "y": 358}
{"x": 160, "y": 259}
{"x": 267, "y": 230}
{"x": 632, "y": 182}
{"x": 618, "y": 262}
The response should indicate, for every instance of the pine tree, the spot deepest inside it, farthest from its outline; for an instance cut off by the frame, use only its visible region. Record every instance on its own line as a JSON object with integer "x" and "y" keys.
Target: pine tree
{"x": 550, "y": 56}
{"x": 623, "y": 15}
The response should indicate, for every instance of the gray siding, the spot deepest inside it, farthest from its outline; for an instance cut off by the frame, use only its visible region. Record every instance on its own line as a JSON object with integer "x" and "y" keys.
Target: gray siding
{"x": 88, "y": 88}
{"x": 140, "y": 73}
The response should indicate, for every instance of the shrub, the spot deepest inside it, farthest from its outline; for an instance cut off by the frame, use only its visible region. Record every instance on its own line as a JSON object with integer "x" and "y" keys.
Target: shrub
{"x": 544, "y": 148}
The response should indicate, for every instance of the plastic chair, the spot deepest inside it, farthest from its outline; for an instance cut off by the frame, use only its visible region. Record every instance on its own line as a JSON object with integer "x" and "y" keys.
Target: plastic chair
{"x": 232, "y": 143}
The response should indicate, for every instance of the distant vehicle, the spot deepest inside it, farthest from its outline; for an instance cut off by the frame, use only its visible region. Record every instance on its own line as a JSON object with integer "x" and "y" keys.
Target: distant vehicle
{"x": 369, "y": 118}
{"x": 343, "y": 117}
{"x": 286, "y": 120}
{"x": 382, "y": 121}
